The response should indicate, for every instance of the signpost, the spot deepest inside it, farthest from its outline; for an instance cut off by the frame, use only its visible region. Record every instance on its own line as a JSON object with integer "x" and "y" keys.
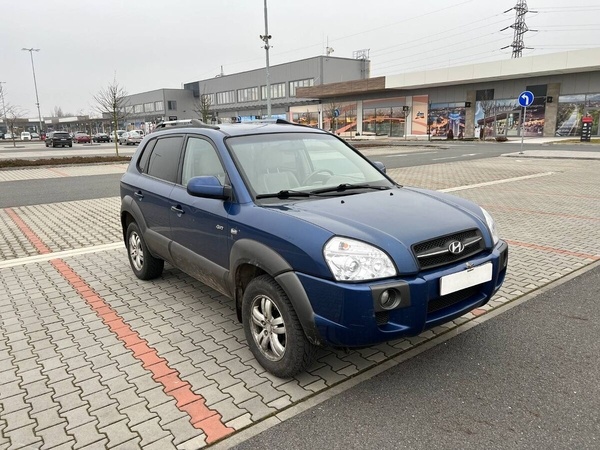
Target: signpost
{"x": 586, "y": 128}
{"x": 525, "y": 99}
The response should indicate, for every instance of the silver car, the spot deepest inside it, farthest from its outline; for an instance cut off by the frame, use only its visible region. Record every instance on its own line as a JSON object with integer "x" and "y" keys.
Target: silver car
{"x": 130, "y": 138}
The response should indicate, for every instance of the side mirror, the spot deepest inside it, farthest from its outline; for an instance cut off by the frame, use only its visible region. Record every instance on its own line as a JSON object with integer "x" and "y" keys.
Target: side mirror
{"x": 208, "y": 187}
{"x": 379, "y": 165}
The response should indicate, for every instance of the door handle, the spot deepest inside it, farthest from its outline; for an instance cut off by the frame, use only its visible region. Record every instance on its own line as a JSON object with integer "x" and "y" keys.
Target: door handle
{"x": 177, "y": 209}
{"x": 139, "y": 194}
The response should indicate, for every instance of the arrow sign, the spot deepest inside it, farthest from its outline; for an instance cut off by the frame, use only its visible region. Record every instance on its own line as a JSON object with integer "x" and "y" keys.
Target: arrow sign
{"x": 525, "y": 98}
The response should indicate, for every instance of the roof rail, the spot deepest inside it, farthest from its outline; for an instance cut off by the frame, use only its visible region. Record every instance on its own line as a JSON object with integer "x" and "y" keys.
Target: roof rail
{"x": 183, "y": 123}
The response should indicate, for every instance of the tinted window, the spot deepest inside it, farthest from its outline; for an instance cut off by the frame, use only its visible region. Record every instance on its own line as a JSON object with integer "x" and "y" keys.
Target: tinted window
{"x": 145, "y": 156}
{"x": 164, "y": 159}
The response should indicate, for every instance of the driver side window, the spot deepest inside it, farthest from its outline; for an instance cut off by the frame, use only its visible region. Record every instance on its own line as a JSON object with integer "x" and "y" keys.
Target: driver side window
{"x": 201, "y": 159}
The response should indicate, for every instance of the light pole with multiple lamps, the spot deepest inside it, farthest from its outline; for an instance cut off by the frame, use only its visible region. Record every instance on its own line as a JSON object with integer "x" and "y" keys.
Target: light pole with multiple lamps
{"x": 31, "y": 50}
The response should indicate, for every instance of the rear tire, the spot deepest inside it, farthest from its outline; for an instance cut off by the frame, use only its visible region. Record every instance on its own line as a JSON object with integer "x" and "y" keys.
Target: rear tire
{"x": 144, "y": 265}
{"x": 273, "y": 330}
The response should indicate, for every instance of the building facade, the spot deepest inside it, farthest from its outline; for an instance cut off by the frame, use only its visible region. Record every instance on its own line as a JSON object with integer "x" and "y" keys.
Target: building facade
{"x": 243, "y": 96}
{"x": 477, "y": 100}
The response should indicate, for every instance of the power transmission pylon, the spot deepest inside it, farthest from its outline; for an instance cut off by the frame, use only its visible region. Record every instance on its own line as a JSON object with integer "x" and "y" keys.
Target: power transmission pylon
{"x": 520, "y": 28}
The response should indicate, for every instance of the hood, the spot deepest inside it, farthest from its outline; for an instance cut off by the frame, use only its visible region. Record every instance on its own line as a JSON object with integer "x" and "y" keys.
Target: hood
{"x": 392, "y": 220}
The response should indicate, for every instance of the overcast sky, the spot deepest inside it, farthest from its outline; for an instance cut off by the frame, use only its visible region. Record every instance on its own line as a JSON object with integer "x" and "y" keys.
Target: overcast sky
{"x": 152, "y": 44}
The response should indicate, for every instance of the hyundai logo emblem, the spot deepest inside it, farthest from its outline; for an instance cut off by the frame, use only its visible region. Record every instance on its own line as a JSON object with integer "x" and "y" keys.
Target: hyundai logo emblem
{"x": 456, "y": 247}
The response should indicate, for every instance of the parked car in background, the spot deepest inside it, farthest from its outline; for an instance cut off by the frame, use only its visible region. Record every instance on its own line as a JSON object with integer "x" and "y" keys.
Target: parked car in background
{"x": 100, "y": 137}
{"x": 35, "y": 136}
{"x": 130, "y": 138}
{"x": 7, "y": 136}
{"x": 58, "y": 139}
{"x": 25, "y": 136}
{"x": 81, "y": 138}
{"x": 313, "y": 242}
{"x": 119, "y": 134}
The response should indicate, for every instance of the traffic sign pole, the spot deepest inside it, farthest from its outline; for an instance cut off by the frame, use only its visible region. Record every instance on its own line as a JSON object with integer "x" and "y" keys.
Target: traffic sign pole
{"x": 523, "y": 128}
{"x": 525, "y": 99}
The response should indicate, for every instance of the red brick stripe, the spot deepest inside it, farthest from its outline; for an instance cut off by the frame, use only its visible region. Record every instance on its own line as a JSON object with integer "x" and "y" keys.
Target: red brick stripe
{"x": 201, "y": 417}
{"x": 28, "y": 232}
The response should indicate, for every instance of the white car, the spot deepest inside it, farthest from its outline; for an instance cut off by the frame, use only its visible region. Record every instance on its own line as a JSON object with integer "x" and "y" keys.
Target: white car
{"x": 25, "y": 136}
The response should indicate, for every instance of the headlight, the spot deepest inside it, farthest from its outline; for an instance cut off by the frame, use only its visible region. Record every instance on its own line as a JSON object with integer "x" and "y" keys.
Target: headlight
{"x": 491, "y": 225}
{"x": 351, "y": 260}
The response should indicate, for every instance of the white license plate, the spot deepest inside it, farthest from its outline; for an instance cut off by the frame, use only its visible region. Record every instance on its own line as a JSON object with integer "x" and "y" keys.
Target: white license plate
{"x": 465, "y": 279}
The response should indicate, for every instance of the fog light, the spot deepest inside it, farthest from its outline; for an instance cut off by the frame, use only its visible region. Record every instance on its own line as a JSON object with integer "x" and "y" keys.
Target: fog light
{"x": 389, "y": 299}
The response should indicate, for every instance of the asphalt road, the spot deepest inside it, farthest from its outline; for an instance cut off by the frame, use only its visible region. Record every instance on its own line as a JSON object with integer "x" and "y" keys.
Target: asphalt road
{"x": 528, "y": 379}
{"x": 33, "y": 192}
{"x": 440, "y": 152}
{"x": 52, "y": 190}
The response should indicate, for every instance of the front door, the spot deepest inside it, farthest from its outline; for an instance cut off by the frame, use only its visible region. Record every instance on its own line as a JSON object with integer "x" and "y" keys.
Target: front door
{"x": 199, "y": 226}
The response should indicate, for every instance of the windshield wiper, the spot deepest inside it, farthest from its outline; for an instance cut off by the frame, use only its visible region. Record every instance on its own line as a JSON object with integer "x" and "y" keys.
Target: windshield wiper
{"x": 347, "y": 186}
{"x": 285, "y": 193}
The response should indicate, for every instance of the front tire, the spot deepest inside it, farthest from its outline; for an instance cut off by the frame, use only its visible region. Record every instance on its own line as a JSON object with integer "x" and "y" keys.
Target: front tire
{"x": 144, "y": 265}
{"x": 273, "y": 330}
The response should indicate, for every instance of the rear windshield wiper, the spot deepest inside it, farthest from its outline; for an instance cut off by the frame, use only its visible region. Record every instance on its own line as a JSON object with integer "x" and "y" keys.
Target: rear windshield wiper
{"x": 285, "y": 194}
{"x": 347, "y": 186}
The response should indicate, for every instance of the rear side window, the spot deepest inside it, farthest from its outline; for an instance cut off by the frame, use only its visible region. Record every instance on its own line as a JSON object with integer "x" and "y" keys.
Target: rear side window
{"x": 164, "y": 159}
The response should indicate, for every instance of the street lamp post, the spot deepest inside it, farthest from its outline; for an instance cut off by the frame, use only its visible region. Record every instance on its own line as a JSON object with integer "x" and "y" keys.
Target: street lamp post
{"x": 266, "y": 38}
{"x": 31, "y": 50}
{"x": 3, "y": 105}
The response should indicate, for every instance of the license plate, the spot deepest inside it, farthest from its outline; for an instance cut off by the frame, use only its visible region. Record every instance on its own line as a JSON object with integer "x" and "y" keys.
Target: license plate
{"x": 466, "y": 278}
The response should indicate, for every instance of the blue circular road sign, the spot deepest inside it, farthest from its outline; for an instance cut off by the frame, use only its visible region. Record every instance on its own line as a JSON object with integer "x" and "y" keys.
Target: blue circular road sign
{"x": 526, "y": 98}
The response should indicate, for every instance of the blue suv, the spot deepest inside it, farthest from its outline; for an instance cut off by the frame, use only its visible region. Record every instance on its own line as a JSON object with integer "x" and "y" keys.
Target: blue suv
{"x": 314, "y": 243}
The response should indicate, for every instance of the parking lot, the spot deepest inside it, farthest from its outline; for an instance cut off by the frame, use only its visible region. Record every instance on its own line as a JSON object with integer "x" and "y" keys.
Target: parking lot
{"x": 92, "y": 357}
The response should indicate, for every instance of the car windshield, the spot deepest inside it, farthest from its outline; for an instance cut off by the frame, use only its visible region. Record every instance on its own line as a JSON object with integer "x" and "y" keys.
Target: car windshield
{"x": 302, "y": 162}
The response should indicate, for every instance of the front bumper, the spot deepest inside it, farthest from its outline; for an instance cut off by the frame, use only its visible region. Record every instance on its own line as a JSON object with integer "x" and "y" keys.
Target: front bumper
{"x": 348, "y": 315}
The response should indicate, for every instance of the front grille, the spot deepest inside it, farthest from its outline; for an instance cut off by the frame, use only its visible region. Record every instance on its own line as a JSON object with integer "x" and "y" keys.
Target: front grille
{"x": 435, "y": 252}
{"x": 448, "y": 300}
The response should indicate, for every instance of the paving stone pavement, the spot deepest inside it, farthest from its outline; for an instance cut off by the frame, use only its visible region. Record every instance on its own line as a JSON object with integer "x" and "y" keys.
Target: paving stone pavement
{"x": 91, "y": 357}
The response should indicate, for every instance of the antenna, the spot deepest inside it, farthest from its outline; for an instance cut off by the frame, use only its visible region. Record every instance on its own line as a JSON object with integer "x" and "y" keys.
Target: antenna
{"x": 520, "y": 28}
{"x": 328, "y": 49}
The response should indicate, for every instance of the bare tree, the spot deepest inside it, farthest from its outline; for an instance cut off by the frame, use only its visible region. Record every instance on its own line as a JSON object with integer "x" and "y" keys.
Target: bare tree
{"x": 12, "y": 114}
{"x": 112, "y": 102}
{"x": 202, "y": 107}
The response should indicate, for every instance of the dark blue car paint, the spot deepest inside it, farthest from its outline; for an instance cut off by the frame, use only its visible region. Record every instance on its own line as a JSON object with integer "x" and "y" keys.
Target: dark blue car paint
{"x": 285, "y": 239}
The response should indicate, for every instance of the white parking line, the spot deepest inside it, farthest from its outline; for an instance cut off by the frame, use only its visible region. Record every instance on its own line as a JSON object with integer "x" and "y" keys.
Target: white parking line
{"x": 491, "y": 183}
{"x": 64, "y": 254}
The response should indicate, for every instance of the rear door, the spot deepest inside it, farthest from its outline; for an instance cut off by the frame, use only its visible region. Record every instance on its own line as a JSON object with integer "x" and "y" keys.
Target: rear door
{"x": 159, "y": 168}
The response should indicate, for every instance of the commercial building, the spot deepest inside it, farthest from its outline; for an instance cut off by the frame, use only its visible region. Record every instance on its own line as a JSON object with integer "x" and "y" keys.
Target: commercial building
{"x": 243, "y": 96}
{"x": 476, "y": 100}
